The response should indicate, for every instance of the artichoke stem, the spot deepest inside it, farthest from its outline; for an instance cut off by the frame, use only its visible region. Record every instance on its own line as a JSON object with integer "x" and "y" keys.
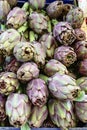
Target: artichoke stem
{"x": 26, "y": 6}
{"x": 22, "y": 29}
{"x": 44, "y": 77}
{"x": 31, "y": 36}
{"x": 54, "y": 22}
{"x": 49, "y": 27}
{"x": 80, "y": 96}
{"x": 2, "y": 27}
{"x": 25, "y": 127}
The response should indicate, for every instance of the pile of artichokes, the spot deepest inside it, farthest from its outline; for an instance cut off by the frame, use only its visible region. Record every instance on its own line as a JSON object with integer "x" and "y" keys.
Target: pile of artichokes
{"x": 43, "y": 65}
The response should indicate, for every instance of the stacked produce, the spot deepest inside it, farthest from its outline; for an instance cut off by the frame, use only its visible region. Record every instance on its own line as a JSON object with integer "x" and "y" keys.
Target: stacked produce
{"x": 43, "y": 65}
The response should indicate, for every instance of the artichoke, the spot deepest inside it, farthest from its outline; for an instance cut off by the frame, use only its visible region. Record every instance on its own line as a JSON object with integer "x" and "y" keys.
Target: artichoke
{"x": 61, "y": 113}
{"x": 24, "y": 51}
{"x": 18, "y": 109}
{"x": 37, "y": 4}
{"x": 16, "y": 18}
{"x": 8, "y": 83}
{"x": 12, "y": 2}
{"x": 66, "y": 55}
{"x": 80, "y": 35}
{"x": 54, "y": 66}
{"x": 80, "y": 48}
{"x": 63, "y": 87}
{"x": 38, "y": 116}
{"x": 66, "y": 9}
{"x": 54, "y": 9}
{"x": 81, "y": 110}
{"x": 11, "y": 64}
{"x": 64, "y": 33}
{"x": 37, "y": 92}
{"x": 2, "y": 108}
{"x": 39, "y": 54}
{"x": 4, "y": 10}
{"x": 83, "y": 67}
{"x": 49, "y": 44}
{"x": 38, "y": 22}
{"x": 28, "y": 71}
{"x": 8, "y": 40}
{"x": 82, "y": 83}
{"x": 75, "y": 17}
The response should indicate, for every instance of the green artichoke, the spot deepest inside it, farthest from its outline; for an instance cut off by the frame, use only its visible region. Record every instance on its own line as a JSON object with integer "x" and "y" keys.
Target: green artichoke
{"x": 49, "y": 44}
{"x": 38, "y": 116}
{"x": 64, "y": 33}
{"x": 53, "y": 66}
{"x": 24, "y": 51}
{"x": 63, "y": 87}
{"x": 2, "y": 108}
{"x": 39, "y": 54}
{"x": 54, "y": 9}
{"x": 37, "y": 4}
{"x": 82, "y": 83}
{"x": 62, "y": 114}
{"x": 37, "y": 92}
{"x": 28, "y": 71}
{"x": 8, "y": 40}
{"x": 4, "y": 10}
{"x": 66, "y": 55}
{"x": 8, "y": 83}
{"x": 18, "y": 109}
{"x": 75, "y": 17}
{"x": 38, "y": 22}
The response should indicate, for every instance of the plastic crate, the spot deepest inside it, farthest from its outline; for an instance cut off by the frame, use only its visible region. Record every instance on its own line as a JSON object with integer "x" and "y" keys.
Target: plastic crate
{"x": 47, "y": 1}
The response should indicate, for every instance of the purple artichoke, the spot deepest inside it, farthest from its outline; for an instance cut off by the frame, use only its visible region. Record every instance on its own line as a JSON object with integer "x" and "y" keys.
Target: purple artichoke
{"x": 82, "y": 83}
{"x": 37, "y": 4}
{"x": 38, "y": 22}
{"x": 8, "y": 83}
{"x": 2, "y": 108}
{"x": 80, "y": 48}
{"x": 18, "y": 109}
{"x": 83, "y": 67}
{"x": 66, "y": 9}
{"x": 11, "y": 65}
{"x": 66, "y": 55}
{"x": 37, "y": 92}
{"x": 75, "y": 17}
{"x": 63, "y": 87}
{"x": 80, "y": 34}
{"x": 16, "y": 18}
{"x": 64, "y": 33}
{"x": 54, "y": 9}
{"x": 39, "y": 54}
{"x": 62, "y": 114}
{"x": 54, "y": 66}
{"x": 38, "y": 116}
{"x": 12, "y": 2}
{"x": 81, "y": 110}
{"x": 28, "y": 71}
{"x": 49, "y": 44}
